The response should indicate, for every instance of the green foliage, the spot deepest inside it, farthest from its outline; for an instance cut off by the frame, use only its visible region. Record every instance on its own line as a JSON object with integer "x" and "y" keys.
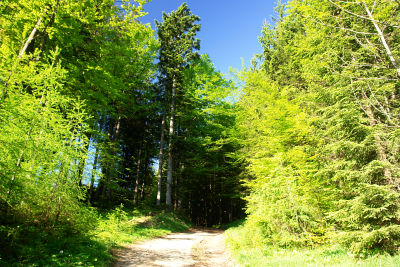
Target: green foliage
{"x": 313, "y": 135}
{"x": 66, "y": 244}
{"x": 177, "y": 51}
{"x": 244, "y": 243}
{"x": 316, "y": 123}
{"x": 121, "y": 227}
{"x": 42, "y": 133}
{"x": 209, "y": 186}
{"x": 67, "y": 69}
{"x": 111, "y": 229}
{"x": 356, "y": 152}
{"x": 79, "y": 119}
{"x": 177, "y": 41}
{"x": 376, "y": 210}
{"x": 275, "y": 135}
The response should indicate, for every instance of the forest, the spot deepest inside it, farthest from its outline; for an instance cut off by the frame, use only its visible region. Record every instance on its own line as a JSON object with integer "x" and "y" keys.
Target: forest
{"x": 101, "y": 116}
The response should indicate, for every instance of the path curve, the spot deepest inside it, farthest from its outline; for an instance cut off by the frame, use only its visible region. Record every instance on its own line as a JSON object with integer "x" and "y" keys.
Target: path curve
{"x": 195, "y": 248}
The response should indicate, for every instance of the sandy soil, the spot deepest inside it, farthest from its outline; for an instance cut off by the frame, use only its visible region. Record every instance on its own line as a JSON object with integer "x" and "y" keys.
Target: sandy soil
{"x": 195, "y": 248}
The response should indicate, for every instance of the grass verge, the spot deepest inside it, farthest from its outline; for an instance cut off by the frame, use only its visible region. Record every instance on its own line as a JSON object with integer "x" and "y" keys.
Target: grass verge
{"x": 113, "y": 229}
{"x": 248, "y": 253}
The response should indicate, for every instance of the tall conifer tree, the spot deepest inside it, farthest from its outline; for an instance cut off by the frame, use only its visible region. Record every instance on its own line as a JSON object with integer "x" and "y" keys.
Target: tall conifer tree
{"x": 178, "y": 47}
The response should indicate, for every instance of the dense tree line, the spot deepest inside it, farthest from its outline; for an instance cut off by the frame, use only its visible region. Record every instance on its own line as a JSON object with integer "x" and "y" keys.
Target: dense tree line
{"x": 87, "y": 90}
{"x": 98, "y": 109}
{"x": 75, "y": 81}
{"x": 318, "y": 125}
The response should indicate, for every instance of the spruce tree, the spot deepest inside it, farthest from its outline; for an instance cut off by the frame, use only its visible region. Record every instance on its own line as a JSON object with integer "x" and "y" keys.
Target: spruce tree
{"x": 178, "y": 47}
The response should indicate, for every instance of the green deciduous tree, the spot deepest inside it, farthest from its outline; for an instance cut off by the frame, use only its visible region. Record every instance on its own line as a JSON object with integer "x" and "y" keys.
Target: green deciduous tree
{"x": 277, "y": 144}
{"x": 70, "y": 73}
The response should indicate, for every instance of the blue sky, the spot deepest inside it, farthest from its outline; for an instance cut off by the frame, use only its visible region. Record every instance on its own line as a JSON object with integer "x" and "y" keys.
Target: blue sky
{"x": 229, "y": 28}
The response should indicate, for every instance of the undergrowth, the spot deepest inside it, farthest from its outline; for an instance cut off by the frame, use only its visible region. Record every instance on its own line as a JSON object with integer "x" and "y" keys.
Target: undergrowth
{"x": 248, "y": 248}
{"x": 26, "y": 245}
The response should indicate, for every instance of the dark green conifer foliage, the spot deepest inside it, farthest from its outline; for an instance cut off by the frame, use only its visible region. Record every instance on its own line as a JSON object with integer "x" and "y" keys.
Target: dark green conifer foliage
{"x": 208, "y": 185}
{"x": 178, "y": 47}
{"x": 330, "y": 63}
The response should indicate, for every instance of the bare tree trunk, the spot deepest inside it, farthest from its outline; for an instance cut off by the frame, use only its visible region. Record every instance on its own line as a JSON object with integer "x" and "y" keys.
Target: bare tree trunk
{"x": 91, "y": 187}
{"x": 175, "y": 190}
{"x": 160, "y": 161}
{"x": 145, "y": 171}
{"x": 137, "y": 182}
{"x": 383, "y": 40}
{"x": 106, "y": 189}
{"x": 142, "y": 188}
{"x": 28, "y": 136}
{"x": 230, "y": 213}
{"x": 205, "y": 208}
{"x": 182, "y": 168}
{"x": 171, "y": 135}
{"x": 190, "y": 206}
{"x": 30, "y": 38}
{"x": 45, "y": 36}
{"x": 378, "y": 142}
{"x": 82, "y": 161}
{"x": 220, "y": 211}
{"x": 34, "y": 30}
{"x": 180, "y": 193}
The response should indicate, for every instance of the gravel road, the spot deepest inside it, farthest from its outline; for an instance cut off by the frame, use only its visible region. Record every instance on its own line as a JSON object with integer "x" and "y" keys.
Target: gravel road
{"x": 195, "y": 248}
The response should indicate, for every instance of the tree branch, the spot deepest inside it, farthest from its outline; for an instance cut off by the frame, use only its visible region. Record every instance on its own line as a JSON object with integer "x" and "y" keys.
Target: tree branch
{"x": 361, "y": 16}
{"x": 382, "y": 37}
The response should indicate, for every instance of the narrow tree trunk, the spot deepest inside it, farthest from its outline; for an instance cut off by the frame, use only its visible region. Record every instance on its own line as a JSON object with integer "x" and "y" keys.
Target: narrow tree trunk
{"x": 175, "y": 190}
{"x": 171, "y": 135}
{"x": 378, "y": 141}
{"x": 160, "y": 161}
{"x": 106, "y": 165}
{"x": 142, "y": 188}
{"x": 82, "y": 161}
{"x": 145, "y": 172}
{"x": 176, "y": 166}
{"x": 34, "y": 30}
{"x": 114, "y": 151}
{"x": 115, "y": 134}
{"x": 91, "y": 187}
{"x": 28, "y": 136}
{"x": 231, "y": 206}
{"x": 22, "y": 52}
{"x": 205, "y": 208}
{"x": 190, "y": 206}
{"x": 137, "y": 182}
{"x": 220, "y": 211}
{"x": 30, "y": 38}
{"x": 180, "y": 193}
{"x": 182, "y": 168}
{"x": 383, "y": 40}
{"x": 45, "y": 36}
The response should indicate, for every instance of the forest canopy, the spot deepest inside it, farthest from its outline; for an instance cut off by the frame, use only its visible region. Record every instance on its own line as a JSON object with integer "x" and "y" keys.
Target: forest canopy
{"x": 97, "y": 109}
{"x": 318, "y": 126}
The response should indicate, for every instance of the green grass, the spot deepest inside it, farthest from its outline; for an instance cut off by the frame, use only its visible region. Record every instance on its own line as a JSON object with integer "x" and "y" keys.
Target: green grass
{"x": 248, "y": 253}
{"x": 122, "y": 227}
{"x": 114, "y": 229}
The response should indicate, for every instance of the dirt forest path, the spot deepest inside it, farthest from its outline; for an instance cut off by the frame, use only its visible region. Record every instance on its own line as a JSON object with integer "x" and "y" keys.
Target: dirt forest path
{"x": 195, "y": 248}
